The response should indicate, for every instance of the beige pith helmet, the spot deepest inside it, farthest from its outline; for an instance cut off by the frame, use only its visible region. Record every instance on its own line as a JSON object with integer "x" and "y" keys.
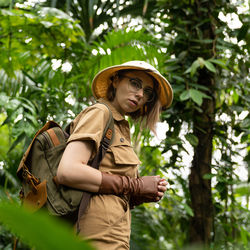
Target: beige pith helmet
{"x": 101, "y": 81}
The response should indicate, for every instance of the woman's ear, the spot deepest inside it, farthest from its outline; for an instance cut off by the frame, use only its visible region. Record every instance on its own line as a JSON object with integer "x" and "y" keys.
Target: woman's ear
{"x": 115, "y": 81}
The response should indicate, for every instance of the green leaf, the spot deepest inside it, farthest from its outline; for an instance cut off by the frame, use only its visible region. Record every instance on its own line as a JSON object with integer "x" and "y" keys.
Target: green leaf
{"x": 208, "y": 176}
{"x": 243, "y": 190}
{"x": 178, "y": 88}
{"x": 244, "y": 234}
{"x": 194, "y": 67}
{"x": 47, "y": 24}
{"x": 178, "y": 78}
{"x": 201, "y": 62}
{"x": 188, "y": 209}
{"x": 196, "y": 96}
{"x": 235, "y": 96}
{"x": 245, "y": 123}
{"x": 38, "y": 229}
{"x": 243, "y": 32}
{"x": 203, "y": 41}
{"x": 6, "y": 12}
{"x": 4, "y": 99}
{"x": 17, "y": 141}
{"x": 13, "y": 104}
{"x": 32, "y": 118}
{"x": 185, "y": 95}
{"x": 210, "y": 66}
{"x": 192, "y": 139}
{"x": 219, "y": 62}
{"x": 30, "y": 108}
{"x": 198, "y": 86}
{"x": 54, "y": 12}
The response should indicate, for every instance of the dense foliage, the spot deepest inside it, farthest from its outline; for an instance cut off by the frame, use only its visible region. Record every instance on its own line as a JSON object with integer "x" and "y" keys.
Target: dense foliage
{"x": 49, "y": 55}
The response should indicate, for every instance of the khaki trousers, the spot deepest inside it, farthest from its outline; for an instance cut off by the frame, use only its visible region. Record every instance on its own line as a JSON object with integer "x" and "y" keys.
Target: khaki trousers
{"x": 106, "y": 223}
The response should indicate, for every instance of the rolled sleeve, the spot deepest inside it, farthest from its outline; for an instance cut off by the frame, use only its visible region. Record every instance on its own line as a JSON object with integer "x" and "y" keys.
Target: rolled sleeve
{"x": 89, "y": 125}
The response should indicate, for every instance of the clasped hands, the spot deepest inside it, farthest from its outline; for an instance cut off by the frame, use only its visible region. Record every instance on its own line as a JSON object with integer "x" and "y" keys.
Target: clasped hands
{"x": 140, "y": 190}
{"x": 152, "y": 190}
{"x": 162, "y": 187}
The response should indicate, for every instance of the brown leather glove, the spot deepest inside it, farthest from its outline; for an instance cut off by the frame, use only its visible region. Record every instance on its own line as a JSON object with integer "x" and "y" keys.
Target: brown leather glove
{"x": 136, "y": 200}
{"x": 146, "y": 186}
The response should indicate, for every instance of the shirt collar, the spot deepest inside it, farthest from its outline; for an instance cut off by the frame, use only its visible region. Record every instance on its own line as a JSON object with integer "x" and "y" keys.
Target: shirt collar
{"x": 116, "y": 115}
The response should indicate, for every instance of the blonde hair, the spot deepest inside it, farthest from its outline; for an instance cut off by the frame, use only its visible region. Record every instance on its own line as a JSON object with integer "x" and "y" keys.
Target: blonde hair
{"x": 149, "y": 114}
{"x": 153, "y": 117}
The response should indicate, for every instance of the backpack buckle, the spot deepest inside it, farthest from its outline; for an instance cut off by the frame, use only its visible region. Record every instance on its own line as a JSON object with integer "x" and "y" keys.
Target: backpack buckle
{"x": 105, "y": 143}
{"x": 30, "y": 179}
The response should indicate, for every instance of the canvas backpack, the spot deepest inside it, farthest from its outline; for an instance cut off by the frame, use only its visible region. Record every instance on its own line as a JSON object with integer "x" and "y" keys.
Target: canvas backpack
{"x": 38, "y": 167}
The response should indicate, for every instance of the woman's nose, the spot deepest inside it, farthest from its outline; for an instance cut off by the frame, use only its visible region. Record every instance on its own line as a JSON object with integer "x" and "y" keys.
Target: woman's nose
{"x": 139, "y": 93}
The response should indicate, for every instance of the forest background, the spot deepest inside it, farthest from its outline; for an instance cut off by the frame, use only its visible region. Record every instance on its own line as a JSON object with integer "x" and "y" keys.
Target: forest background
{"x": 50, "y": 52}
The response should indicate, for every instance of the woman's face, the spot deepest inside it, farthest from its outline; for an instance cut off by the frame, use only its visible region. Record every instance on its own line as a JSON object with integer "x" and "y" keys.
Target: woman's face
{"x": 133, "y": 90}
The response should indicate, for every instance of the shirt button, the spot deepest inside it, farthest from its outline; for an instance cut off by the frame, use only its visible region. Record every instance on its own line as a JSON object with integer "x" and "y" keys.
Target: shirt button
{"x": 121, "y": 139}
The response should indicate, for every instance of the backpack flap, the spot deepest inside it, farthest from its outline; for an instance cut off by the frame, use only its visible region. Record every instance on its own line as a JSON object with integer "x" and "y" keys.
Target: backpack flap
{"x": 36, "y": 199}
{"x": 48, "y": 125}
{"x": 34, "y": 192}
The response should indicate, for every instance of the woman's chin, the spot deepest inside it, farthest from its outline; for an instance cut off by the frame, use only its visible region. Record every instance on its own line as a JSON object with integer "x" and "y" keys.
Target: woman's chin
{"x": 131, "y": 111}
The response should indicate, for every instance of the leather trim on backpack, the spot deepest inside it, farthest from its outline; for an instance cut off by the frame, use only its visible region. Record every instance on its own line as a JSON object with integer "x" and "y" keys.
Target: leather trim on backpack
{"x": 53, "y": 137}
{"x": 36, "y": 200}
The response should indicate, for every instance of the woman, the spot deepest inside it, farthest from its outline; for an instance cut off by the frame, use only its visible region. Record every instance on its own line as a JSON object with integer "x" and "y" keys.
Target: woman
{"x": 136, "y": 89}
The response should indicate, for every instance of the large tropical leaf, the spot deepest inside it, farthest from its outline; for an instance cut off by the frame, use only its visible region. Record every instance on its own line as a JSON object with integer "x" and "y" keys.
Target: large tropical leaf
{"x": 38, "y": 229}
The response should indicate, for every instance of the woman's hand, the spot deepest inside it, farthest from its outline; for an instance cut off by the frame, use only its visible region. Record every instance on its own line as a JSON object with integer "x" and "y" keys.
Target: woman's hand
{"x": 136, "y": 200}
{"x": 162, "y": 187}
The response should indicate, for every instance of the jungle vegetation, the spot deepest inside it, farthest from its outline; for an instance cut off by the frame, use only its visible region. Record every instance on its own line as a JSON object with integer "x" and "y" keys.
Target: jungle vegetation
{"x": 50, "y": 52}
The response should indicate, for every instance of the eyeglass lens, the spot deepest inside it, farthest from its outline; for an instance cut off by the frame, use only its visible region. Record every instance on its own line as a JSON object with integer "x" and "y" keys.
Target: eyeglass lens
{"x": 135, "y": 85}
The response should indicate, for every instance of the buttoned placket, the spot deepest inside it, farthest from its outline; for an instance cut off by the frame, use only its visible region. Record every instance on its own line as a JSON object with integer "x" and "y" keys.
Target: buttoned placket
{"x": 124, "y": 128}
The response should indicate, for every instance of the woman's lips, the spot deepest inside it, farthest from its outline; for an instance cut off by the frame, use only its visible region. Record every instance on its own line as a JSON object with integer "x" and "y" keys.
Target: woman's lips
{"x": 133, "y": 102}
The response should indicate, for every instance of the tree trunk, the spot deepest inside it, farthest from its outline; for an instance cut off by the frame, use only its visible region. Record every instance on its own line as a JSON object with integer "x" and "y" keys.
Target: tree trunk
{"x": 201, "y": 224}
{"x": 200, "y": 189}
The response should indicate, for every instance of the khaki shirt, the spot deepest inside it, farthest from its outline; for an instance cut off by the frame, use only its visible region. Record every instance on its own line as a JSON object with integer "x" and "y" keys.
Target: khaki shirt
{"x": 106, "y": 221}
{"x": 90, "y": 124}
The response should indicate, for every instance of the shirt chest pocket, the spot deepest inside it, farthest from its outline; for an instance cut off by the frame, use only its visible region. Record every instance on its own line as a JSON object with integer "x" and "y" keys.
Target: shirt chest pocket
{"x": 123, "y": 153}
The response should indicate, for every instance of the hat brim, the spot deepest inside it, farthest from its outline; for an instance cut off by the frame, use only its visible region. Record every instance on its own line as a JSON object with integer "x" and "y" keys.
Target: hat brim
{"x": 102, "y": 81}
